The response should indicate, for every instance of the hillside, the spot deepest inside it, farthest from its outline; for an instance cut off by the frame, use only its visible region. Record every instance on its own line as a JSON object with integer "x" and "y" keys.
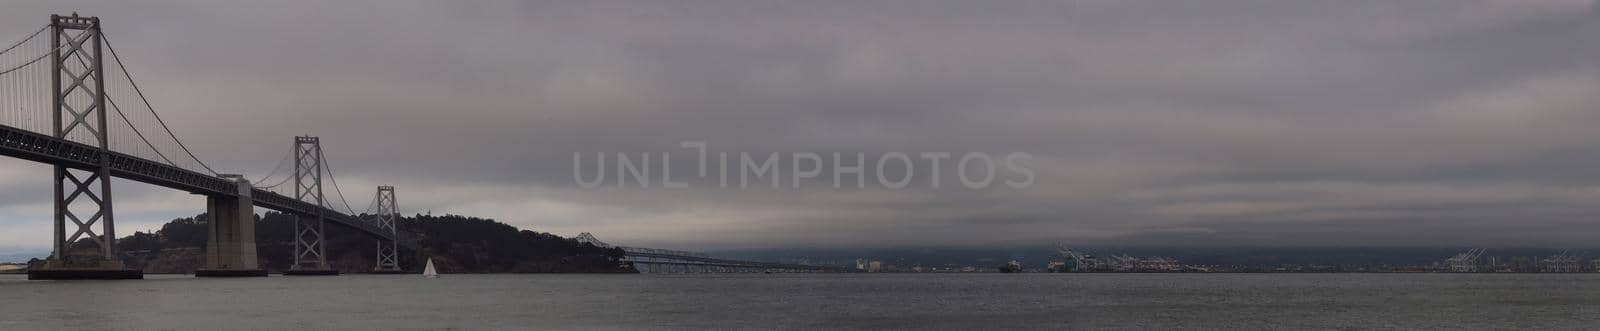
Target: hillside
{"x": 457, "y": 244}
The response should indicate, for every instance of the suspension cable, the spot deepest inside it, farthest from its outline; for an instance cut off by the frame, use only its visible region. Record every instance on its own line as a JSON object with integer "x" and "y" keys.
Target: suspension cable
{"x": 275, "y": 168}
{"x": 140, "y": 92}
{"x": 329, "y": 167}
{"x": 140, "y": 134}
{"x": 30, "y": 37}
{"x": 131, "y": 127}
{"x": 280, "y": 182}
{"x": 372, "y": 207}
{"x": 34, "y": 60}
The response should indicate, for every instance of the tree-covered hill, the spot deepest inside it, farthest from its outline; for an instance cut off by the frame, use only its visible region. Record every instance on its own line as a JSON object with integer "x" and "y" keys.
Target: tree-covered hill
{"x": 455, "y": 243}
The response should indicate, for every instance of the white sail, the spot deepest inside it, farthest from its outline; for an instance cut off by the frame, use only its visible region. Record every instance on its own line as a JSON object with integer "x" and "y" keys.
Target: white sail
{"x": 428, "y": 271}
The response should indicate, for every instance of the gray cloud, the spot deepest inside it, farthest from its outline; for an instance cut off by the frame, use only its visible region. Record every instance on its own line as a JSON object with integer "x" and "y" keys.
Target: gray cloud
{"x": 1196, "y": 122}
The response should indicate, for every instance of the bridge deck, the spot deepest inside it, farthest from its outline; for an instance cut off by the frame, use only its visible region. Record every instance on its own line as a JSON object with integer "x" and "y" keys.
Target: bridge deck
{"x": 731, "y": 263}
{"x": 33, "y": 146}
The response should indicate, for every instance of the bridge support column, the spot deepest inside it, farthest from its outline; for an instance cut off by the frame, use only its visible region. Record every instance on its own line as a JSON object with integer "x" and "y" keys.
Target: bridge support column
{"x": 231, "y": 235}
{"x": 388, "y": 258}
{"x": 310, "y": 253}
{"x": 388, "y": 261}
{"x": 82, "y": 193}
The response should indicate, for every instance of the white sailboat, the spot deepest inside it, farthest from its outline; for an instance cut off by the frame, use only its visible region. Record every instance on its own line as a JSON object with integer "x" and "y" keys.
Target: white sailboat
{"x": 428, "y": 271}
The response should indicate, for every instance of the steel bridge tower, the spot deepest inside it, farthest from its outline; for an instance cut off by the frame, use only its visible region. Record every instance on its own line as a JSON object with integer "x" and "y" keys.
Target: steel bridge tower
{"x": 310, "y": 249}
{"x": 82, "y": 195}
{"x": 388, "y": 214}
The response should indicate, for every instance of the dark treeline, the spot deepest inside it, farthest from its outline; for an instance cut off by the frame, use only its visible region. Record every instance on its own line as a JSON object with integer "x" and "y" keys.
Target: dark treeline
{"x": 457, "y": 244}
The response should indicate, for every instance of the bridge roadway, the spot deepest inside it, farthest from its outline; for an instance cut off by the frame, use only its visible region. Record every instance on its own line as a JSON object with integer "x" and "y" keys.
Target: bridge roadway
{"x": 675, "y": 258}
{"x": 28, "y": 145}
{"x": 683, "y": 260}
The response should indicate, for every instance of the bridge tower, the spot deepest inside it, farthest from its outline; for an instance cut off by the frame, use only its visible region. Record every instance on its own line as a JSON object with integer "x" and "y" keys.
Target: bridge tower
{"x": 82, "y": 193}
{"x": 388, "y": 214}
{"x": 310, "y": 250}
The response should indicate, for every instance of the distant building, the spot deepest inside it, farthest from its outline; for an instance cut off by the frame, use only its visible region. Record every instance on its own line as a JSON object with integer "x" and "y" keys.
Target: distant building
{"x": 1055, "y": 266}
{"x": 1464, "y": 262}
{"x": 1560, "y": 263}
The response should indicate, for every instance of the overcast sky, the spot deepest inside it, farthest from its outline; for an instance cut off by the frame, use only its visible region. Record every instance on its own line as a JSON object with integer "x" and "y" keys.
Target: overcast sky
{"x": 1218, "y": 122}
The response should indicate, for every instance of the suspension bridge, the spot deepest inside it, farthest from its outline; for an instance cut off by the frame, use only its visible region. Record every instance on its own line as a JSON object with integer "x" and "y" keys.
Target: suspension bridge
{"x": 62, "y": 107}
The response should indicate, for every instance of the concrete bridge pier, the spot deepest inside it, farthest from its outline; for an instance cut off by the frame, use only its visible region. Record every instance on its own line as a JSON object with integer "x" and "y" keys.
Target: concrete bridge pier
{"x": 231, "y": 235}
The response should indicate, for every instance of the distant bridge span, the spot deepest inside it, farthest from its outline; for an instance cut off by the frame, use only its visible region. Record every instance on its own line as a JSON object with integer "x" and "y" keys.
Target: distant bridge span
{"x": 651, "y": 260}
